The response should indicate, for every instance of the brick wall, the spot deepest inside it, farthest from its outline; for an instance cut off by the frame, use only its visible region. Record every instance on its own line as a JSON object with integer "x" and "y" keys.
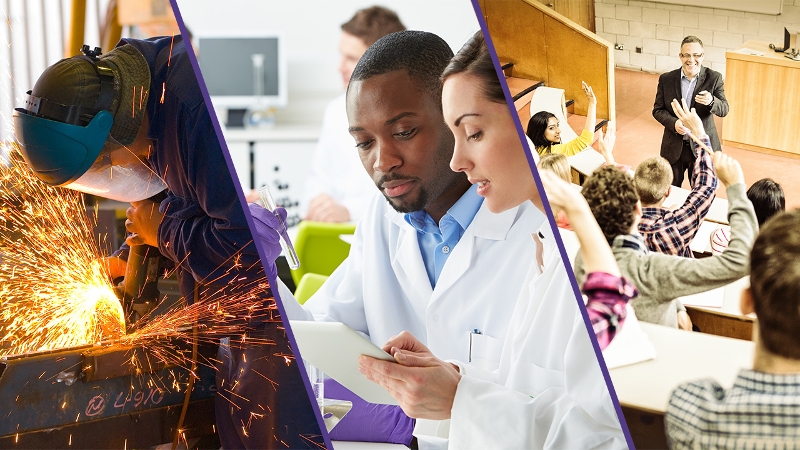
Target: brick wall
{"x": 658, "y": 29}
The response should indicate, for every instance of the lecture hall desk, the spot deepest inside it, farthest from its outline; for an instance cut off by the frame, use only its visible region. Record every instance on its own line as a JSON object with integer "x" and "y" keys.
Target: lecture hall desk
{"x": 717, "y": 213}
{"x": 728, "y": 320}
{"x": 643, "y": 389}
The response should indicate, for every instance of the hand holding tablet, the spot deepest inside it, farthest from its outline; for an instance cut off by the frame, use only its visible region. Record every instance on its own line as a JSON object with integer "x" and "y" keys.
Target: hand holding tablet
{"x": 334, "y": 348}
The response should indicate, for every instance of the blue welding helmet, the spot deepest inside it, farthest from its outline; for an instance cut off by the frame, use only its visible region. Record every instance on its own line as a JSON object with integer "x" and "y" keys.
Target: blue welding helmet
{"x": 59, "y": 152}
{"x": 78, "y": 119}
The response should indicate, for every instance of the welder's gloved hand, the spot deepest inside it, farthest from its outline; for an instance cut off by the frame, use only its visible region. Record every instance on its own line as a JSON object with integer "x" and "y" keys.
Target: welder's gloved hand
{"x": 114, "y": 266}
{"x": 143, "y": 221}
{"x": 368, "y": 422}
{"x": 268, "y": 229}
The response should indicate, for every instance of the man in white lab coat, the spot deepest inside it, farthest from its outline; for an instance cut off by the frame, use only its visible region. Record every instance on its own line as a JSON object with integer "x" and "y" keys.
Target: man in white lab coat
{"x": 338, "y": 189}
{"x": 428, "y": 257}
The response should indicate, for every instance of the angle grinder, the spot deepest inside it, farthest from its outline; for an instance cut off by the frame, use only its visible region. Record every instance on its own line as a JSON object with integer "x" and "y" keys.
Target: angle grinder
{"x": 138, "y": 291}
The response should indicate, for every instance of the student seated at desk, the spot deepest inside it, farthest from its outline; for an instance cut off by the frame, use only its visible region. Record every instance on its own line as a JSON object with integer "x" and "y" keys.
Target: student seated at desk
{"x": 768, "y": 200}
{"x": 670, "y": 231}
{"x": 556, "y": 163}
{"x": 662, "y": 278}
{"x": 606, "y": 310}
{"x": 548, "y": 391}
{"x": 559, "y": 164}
{"x": 543, "y": 130}
{"x": 762, "y": 409}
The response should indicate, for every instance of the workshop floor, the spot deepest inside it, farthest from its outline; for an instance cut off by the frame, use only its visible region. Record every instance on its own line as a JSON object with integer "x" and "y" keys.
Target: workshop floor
{"x": 639, "y": 137}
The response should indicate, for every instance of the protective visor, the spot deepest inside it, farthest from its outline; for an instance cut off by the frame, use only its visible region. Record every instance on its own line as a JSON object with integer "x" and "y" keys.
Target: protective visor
{"x": 86, "y": 158}
{"x": 120, "y": 175}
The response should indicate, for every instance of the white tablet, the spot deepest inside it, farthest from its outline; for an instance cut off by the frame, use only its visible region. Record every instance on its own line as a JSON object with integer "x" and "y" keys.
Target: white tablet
{"x": 334, "y": 348}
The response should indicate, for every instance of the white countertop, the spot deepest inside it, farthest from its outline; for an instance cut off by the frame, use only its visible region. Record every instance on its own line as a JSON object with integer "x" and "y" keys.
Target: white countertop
{"x": 295, "y": 132}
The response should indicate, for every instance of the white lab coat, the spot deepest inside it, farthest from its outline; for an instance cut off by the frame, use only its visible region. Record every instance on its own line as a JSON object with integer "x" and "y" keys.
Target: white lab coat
{"x": 549, "y": 391}
{"x": 336, "y": 168}
{"x": 382, "y": 288}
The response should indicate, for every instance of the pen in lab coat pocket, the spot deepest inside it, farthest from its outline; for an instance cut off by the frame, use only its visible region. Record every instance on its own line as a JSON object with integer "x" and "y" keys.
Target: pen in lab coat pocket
{"x": 474, "y": 331}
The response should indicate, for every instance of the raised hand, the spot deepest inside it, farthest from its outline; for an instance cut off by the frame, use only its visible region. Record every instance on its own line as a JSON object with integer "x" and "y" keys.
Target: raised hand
{"x": 688, "y": 117}
{"x": 606, "y": 143}
{"x": 589, "y": 93}
{"x": 728, "y": 169}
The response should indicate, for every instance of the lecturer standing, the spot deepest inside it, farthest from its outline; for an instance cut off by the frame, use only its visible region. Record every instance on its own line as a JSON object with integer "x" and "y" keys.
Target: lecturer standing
{"x": 702, "y": 88}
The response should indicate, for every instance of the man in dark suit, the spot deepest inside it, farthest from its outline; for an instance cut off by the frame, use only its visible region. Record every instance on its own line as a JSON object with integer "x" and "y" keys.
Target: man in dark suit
{"x": 702, "y": 88}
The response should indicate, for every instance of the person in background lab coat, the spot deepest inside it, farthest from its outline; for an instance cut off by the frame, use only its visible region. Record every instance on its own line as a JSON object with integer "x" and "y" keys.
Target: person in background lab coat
{"x": 338, "y": 189}
{"x": 549, "y": 391}
{"x": 427, "y": 254}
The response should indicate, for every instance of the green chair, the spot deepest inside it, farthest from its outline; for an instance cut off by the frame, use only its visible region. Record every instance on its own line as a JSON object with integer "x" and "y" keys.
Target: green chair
{"x": 320, "y": 248}
{"x": 308, "y": 285}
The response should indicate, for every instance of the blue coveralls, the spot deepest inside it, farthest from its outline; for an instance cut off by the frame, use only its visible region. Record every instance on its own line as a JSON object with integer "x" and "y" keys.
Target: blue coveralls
{"x": 203, "y": 227}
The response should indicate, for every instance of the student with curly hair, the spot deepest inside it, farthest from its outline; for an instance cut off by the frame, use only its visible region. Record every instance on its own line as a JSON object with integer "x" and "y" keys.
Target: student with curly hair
{"x": 660, "y": 278}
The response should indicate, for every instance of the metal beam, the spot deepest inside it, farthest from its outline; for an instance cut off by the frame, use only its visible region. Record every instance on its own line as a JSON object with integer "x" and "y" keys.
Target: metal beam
{"x": 77, "y": 28}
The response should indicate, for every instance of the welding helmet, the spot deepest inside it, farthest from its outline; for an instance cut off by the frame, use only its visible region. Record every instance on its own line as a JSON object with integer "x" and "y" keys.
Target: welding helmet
{"x": 79, "y": 119}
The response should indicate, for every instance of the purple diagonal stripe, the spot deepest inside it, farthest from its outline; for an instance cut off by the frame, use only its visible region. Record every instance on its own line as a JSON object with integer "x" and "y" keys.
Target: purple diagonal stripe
{"x": 273, "y": 283}
{"x": 550, "y": 217}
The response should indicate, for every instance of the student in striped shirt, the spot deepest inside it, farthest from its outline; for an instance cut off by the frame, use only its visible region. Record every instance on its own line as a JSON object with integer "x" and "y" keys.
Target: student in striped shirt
{"x": 762, "y": 409}
{"x": 670, "y": 231}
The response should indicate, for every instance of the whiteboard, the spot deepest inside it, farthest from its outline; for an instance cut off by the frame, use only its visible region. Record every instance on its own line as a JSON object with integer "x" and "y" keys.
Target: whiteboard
{"x": 773, "y": 7}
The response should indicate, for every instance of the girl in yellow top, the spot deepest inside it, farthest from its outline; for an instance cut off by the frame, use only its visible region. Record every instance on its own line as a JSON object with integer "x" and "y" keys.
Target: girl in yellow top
{"x": 544, "y": 131}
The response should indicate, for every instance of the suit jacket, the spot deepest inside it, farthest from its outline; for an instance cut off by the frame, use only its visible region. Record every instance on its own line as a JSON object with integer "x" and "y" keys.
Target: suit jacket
{"x": 669, "y": 87}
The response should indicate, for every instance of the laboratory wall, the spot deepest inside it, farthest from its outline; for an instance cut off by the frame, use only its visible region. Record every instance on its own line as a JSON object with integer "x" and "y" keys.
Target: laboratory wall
{"x": 312, "y": 30}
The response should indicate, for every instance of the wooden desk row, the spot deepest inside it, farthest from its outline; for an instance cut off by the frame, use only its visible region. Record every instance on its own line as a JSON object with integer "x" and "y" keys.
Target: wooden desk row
{"x": 643, "y": 389}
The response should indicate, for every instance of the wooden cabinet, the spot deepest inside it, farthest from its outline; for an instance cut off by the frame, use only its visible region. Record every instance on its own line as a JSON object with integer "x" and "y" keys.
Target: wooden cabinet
{"x": 763, "y": 91}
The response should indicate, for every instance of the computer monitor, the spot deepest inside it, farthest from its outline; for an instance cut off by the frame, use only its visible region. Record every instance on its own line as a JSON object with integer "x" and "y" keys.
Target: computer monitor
{"x": 790, "y": 35}
{"x": 226, "y": 62}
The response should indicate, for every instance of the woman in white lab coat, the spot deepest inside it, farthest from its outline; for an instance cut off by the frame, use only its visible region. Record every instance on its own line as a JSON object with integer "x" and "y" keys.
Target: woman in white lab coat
{"x": 549, "y": 391}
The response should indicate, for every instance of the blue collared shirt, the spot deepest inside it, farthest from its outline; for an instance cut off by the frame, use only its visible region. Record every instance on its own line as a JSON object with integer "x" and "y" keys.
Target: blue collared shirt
{"x": 687, "y": 89}
{"x": 436, "y": 242}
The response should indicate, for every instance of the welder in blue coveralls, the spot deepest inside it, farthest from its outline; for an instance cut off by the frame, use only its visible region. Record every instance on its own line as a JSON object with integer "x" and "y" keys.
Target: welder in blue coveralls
{"x": 129, "y": 124}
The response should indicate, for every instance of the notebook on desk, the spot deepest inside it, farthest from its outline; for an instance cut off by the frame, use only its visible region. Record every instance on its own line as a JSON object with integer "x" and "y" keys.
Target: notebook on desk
{"x": 708, "y": 299}
{"x": 630, "y": 346}
{"x": 702, "y": 239}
